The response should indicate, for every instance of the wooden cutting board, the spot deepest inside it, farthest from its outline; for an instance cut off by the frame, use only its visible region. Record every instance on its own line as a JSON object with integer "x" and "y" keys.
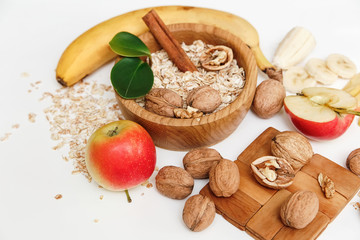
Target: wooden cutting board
{"x": 255, "y": 209}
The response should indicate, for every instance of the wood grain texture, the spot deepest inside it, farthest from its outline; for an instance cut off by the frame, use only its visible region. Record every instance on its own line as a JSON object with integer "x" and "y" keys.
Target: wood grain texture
{"x": 310, "y": 232}
{"x": 184, "y": 134}
{"x": 266, "y": 222}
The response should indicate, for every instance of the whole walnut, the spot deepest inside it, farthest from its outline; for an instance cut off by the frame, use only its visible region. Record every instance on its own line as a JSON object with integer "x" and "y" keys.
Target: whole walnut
{"x": 199, "y": 161}
{"x": 299, "y": 209}
{"x": 353, "y": 161}
{"x": 293, "y": 147}
{"x": 199, "y": 212}
{"x": 204, "y": 98}
{"x": 224, "y": 178}
{"x": 269, "y": 98}
{"x": 163, "y": 101}
{"x": 174, "y": 182}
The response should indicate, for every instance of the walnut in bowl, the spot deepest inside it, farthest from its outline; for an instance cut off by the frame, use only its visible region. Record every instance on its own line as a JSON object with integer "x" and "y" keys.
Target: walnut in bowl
{"x": 184, "y": 134}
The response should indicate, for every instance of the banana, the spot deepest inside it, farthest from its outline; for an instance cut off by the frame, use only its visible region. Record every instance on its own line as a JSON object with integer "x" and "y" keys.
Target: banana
{"x": 296, "y": 79}
{"x": 317, "y": 69}
{"x": 296, "y": 45}
{"x": 91, "y": 50}
{"x": 341, "y": 65}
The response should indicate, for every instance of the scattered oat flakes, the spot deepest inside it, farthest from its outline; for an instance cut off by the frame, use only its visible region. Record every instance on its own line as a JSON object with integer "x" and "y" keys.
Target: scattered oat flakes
{"x": 25, "y": 74}
{"x": 5, "y": 137}
{"x": 149, "y": 185}
{"x": 101, "y": 197}
{"x": 15, "y": 126}
{"x": 32, "y": 117}
{"x": 58, "y": 196}
{"x": 327, "y": 185}
{"x": 96, "y": 220}
{"x": 75, "y": 113}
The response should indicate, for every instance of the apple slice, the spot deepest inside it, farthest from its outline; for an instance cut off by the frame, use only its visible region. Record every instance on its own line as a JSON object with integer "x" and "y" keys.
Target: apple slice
{"x": 321, "y": 113}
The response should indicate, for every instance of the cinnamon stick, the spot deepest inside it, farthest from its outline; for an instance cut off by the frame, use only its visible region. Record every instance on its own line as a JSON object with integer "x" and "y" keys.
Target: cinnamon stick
{"x": 168, "y": 42}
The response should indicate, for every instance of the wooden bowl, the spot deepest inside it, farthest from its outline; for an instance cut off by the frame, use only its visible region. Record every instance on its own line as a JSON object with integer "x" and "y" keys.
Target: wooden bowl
{"x": 185, "y": 134}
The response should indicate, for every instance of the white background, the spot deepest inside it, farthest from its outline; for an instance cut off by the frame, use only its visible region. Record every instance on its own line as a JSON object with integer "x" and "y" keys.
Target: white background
{"x": 33, "y": 35}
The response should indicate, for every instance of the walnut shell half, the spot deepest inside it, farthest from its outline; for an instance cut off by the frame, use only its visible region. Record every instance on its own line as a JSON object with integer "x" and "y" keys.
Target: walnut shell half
{"x": 299, "y": 209}
{"x": 163, "y": 101}
{"x": 199, "y": 161}
{"x": 273, "y": 172}
{"x": 216, "y": 58}
{"x": 174, "y": 182}
{"x": 224, "y": 178}
{"x": 199, "y": 212}
{"x": 293, "y": 147}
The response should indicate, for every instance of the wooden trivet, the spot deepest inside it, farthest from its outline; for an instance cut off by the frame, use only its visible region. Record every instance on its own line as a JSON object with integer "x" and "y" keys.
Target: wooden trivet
{"x": 255, "y": 209}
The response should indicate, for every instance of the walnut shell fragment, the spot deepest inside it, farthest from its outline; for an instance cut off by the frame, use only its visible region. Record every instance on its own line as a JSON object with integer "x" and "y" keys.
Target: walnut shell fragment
{"x": 206, "y": 99}
{"x": 293, "y": 147}
{"x": 216, "y": 58}
{"x": 163, "y": 101}
{"x": 299, "y": 209}
{"x": 199, "y": 212}
{"x": 174, "y": 182}
{"x": 199, "y": 161}
{"x": 269, "y": 98}
{"x": 224, "y": 178}
{"x": 273, "y": 172}
{"x": 353, "y": 161}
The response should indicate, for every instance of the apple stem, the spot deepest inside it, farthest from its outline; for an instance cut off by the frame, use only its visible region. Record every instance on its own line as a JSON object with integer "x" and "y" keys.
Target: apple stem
{"x": 346, "y": 111}
{"x": 113, "y": 132}
{"x": 128, "y": 196}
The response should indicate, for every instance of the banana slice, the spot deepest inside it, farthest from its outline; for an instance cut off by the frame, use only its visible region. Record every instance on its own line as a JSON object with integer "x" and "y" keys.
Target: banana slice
{"x": 296, "y": 79}
{"x": 353, "y": 86}
{"x": 341, "y": 65}
{"x": 318, "y": 70}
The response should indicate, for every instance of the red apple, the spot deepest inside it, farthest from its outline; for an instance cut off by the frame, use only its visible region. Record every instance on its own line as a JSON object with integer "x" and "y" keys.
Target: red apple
{"x": 120, "y": 155}
{"x": 321, "y": 113}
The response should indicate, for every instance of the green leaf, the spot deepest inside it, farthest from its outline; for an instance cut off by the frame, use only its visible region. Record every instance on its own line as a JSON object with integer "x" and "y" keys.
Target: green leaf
{"x": 128, "y": 45}
{"x": 132, "y": 78}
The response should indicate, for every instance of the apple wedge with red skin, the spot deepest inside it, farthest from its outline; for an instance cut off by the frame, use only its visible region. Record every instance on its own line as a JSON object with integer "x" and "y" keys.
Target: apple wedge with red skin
{"x": 120, "y": 155}
{"x": 321, "y": 113}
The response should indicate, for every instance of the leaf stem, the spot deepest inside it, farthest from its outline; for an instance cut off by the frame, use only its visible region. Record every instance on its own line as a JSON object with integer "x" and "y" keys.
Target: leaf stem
{"x": 128, "y": 196}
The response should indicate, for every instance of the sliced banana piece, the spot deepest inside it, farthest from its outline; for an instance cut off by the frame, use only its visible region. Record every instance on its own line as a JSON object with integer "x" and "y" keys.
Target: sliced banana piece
{"x": 353, "y": 86}
{"x": 341, "y": 65}
{"x": 318, "y": 70}
{"x": 296, "y": 79}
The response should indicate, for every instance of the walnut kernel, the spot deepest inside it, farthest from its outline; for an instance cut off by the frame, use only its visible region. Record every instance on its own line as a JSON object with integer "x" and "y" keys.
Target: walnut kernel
{"x": 174, "y": 182}
{"x": 187, "y": 113}
{"x": 199, "y": 161}
{"x": 204, "y": 98}
{"x": 293, "y": 147}
{"x": 216, "y": 58}
{"x": 299, "y": 209}
{"x": 199, "y": 212}
{"x": 327, "y": 185}
{"x": 224, "y": 178}
{"x": 163, "y": 101}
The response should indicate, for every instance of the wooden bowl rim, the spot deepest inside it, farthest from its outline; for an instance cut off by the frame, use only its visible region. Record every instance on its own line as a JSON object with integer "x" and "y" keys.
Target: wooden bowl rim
{"x": 250, "y": 76}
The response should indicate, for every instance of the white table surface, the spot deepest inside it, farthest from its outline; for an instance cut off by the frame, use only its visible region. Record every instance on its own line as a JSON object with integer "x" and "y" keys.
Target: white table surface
{"x": 33, "y": 35}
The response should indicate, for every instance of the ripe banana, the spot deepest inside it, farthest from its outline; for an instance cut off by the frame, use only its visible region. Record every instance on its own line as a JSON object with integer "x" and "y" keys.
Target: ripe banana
{"x": 341, "y": 65}
{"x": 296, "y": 79}
{"x": 317, "y": 68}
{"x": 91, "y": 49}
{"x": 296, "y": 45}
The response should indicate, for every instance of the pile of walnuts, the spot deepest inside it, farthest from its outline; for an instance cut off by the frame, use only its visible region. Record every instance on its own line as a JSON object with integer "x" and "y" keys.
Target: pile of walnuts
{"x": 200, "y": 163}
